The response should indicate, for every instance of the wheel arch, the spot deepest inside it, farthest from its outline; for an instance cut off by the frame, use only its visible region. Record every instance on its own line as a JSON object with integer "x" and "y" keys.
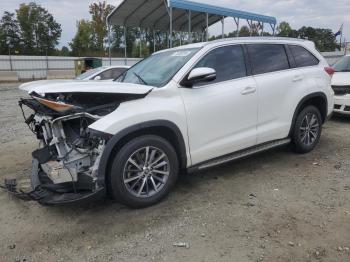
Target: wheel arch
{"x": 163, "y": 128}
{"x": 317, "y": 99}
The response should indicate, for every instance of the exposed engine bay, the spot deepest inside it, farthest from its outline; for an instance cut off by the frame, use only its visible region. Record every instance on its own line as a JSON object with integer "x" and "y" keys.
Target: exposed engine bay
{"x": 65, "y": 166}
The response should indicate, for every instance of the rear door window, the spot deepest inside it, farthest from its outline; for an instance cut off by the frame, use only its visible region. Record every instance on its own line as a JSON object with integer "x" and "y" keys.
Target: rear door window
{"x": 302, "y": 56}
{"x": 106, "y": 74}
{"x": 228, "y": 62}
{"x": 266, "y": 58}
{"x": 116, "y": 72}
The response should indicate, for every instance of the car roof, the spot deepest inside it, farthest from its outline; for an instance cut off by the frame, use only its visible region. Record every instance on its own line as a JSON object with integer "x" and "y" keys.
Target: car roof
{"x": 255, "y": 39}
{"x": 114, "y": 66}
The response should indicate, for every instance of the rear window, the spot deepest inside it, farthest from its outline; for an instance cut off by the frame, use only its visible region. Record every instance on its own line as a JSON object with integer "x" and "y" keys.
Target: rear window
{"x": 303, "y": 57}
{"x": 267, "y": 58}
{"x": 112, "y": 73}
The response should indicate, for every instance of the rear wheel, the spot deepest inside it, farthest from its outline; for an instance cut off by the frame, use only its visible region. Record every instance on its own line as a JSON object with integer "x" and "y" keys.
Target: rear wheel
{"x": 307, "y": 129}
{"x": 143, "y": 171}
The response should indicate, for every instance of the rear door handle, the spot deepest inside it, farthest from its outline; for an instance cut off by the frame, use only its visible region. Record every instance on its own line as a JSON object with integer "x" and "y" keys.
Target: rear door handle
{"x": 248, "y": 90}
{"x": 297, "y": 78}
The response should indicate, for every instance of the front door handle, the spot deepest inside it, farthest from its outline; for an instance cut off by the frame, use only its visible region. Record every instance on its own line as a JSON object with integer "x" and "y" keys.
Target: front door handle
{"x": 248, "y": 90}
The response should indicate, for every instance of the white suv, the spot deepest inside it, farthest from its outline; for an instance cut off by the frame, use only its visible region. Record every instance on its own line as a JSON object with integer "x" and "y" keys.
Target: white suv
{"x": 188, "y": 108}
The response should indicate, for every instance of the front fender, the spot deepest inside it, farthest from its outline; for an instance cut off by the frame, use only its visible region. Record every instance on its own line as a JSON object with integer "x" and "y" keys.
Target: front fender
{"x": 111, "y": 145}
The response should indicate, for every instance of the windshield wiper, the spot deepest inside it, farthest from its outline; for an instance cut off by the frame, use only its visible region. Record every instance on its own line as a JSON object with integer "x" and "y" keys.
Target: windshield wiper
{"x": 140, "y": 78}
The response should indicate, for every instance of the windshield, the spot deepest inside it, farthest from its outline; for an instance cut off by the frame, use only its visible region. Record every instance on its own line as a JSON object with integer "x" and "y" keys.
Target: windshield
{"x": 89, "y": 73}
{"x": 158, "y": 69}
{"x": 343, "y": 65}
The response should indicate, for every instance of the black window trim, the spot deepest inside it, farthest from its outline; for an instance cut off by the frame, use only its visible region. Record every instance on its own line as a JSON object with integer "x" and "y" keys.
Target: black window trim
{"x": 268, "y": 43}
{"x": 246, "y": 60}
{"x": 290, "y": 56}
{"x": 292, "y": 44}
{"x": 107, "y": 69}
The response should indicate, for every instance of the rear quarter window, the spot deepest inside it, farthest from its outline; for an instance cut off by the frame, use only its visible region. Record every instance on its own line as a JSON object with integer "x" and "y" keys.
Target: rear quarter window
{"x": 267, "y": 58}
{"x": 303, "y": 57}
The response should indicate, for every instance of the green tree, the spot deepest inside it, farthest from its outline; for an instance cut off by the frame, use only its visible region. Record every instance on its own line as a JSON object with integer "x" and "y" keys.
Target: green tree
{"x": 3, "y": 44}
{"x": 324, "y": 39}
{"x": 284, "y": 29}
{"x": 9, "y": 33}
{"x": 83, "y": 42}
{"x": 244, "y": 31}
{"x": 39, "y": 30}
{"x": 99, "y": 12}
{"x": 64, "y": 51}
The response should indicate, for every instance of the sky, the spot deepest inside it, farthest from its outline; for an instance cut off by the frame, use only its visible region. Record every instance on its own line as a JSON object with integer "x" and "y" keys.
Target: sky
{"x": 315, "y": 13}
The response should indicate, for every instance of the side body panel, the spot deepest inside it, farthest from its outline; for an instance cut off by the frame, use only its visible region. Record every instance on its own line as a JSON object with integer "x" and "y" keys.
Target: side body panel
{"x": 220, "y": 118}
{"x": 279, "y": 94}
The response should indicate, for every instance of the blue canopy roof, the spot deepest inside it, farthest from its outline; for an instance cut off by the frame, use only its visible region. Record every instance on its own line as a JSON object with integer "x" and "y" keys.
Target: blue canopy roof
{"x": 154, "y": 14}
{"x": 222, "y": 11}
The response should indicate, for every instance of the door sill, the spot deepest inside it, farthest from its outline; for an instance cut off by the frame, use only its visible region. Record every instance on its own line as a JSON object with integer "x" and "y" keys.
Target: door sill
{"x": 238, "y": 155}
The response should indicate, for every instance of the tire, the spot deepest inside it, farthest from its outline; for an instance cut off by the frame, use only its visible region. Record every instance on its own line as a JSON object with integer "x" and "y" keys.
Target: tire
{"x": 307, "y": 130}
{"x": 139, "y": 185}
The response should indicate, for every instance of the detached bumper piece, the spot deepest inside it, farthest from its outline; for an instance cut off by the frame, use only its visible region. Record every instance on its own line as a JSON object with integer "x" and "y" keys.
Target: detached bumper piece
{"x": 10, "y": 186}
{"x": 47, "y": 193}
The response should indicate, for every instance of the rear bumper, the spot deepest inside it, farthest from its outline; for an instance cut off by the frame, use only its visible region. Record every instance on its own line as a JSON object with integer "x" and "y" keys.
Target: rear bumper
{"x": 48, "y": 194}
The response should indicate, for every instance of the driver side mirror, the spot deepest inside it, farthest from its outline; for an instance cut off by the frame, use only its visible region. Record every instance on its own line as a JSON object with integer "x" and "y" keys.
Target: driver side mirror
{"x": 200, "y": 74}
{"x": 97, "y": 78}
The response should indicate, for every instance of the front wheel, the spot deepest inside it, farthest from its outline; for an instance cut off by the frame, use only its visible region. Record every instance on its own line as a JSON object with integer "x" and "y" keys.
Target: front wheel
{"x": 307, "y": 129}
{"x": 143, "y": 171}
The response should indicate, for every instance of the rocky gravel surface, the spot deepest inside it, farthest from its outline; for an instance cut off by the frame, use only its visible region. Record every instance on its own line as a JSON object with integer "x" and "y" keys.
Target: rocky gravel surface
{"x": 275, "y": 206}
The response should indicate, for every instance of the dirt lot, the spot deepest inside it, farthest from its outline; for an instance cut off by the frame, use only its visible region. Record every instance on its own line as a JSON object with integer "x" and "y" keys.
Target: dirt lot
{"x": 277, "y": 206}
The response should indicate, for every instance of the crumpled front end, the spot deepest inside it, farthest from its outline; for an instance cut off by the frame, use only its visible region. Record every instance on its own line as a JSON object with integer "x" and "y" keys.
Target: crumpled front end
{"x": 66, "y": 164}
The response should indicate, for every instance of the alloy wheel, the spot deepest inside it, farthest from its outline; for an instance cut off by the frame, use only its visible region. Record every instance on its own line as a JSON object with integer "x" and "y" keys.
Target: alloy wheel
{"x": 146, "y": 172}
{"x": 309, "y": 129}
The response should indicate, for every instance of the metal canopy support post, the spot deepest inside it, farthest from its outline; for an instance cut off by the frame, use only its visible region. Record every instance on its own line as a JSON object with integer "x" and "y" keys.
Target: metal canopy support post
{"x": 237, "y": 25}
{"x": 189, "y": 26}
{"x": 109, "y": 43}
{"x": 125, "y": 62}
{"x": 154, "y": 40}
{"x": 140, "y": 42}
{"x": 223, "y": 27}
{"x": 206, "y": 26}
{"x": 171, "y": 27}
{"x": 262, "y": 28}
{"x": 273, "y": 27}
{"x": 250, "y": 23}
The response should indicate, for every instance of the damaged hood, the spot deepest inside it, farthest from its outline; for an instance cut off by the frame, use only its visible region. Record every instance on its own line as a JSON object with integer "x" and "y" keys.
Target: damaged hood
{"x": 31, "y": 85}
{"x": 69, "y": 86}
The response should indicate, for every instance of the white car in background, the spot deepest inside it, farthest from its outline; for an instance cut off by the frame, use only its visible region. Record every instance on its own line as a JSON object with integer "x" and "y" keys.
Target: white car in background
{"x": 341, "y": 85}
{"x": 103, "y": 73}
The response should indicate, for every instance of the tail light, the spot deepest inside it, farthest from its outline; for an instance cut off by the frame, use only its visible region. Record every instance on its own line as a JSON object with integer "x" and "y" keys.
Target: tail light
{"x": 330, "y": 71}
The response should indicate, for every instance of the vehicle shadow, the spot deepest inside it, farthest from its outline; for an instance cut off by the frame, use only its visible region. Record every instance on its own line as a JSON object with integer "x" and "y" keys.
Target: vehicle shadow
{"x": 341, "y": 118}
{"x": 187, "y": 184}
{"x": 193, "y": 192}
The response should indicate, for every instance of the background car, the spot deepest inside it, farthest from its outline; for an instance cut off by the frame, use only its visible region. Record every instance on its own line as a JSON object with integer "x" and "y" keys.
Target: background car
{"x": 103, "y": 73}
{"x": 341, "y": 85}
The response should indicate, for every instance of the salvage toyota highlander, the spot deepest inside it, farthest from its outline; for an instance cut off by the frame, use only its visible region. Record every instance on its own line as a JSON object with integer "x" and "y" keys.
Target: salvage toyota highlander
{"x": 188, "y": 108}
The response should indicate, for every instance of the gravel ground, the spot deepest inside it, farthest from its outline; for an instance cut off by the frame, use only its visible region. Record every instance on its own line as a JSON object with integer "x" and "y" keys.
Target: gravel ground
{"x": 276, "y": 206}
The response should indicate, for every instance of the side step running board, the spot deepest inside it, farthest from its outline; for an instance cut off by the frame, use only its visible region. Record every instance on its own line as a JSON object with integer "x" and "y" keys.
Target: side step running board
{"x": 241, "y": 154}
